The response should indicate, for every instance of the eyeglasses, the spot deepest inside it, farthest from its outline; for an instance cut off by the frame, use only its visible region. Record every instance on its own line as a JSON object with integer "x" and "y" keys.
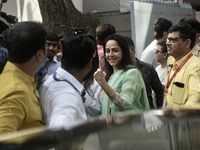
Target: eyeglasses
{"x": 157, "y": 51}
{"x": 173, "y": 40}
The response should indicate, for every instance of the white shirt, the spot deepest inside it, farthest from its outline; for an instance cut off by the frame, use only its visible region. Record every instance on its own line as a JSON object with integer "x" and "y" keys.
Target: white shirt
{"x": 148, "y": 55}
{"x": 61, "y": 104}
{"x": 161, "y": 73}
{"x": 53, "y": 66}
{"x": 92, "y": 103}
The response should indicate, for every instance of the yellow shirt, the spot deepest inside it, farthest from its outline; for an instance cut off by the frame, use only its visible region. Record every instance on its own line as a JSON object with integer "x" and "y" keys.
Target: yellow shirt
{"x": 189, "y": 75}
{"x": 195, "y": 51}
{"x": 19, "y": 105}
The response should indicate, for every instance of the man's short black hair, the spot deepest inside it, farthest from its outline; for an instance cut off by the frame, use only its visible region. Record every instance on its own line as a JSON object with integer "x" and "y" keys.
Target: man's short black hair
{"x": 163, "y": 47}
{"x": 193, "y": 22}
{"x": 103, "y": 31}
{"x": 129, "y": 41}
{"x": 51, "y": 36}
{"x": 161, "y": 25}
{"x": 185, "y": 32}
{"x": 24, "y": 39}
{"x": 77, "y": 52}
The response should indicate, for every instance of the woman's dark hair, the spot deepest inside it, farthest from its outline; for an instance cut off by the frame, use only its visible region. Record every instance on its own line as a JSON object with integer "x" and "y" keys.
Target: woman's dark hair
{"x": 95, "y": 64}
{"x": 126, "y": 59}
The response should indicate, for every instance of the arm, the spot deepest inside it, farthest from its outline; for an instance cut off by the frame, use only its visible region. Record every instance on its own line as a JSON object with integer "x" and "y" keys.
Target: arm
{"x": 194, "y": 87}
{"x": 157, "y": 88}
{"x": 92, "y": 103}
{"x": 12, "y": 111}
{"x": 131, "y": 88}
{"x": 66, "y": 109}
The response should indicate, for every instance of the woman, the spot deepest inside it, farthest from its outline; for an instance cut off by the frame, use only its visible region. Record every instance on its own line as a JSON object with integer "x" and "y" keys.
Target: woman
{"x": 125, "y": 89}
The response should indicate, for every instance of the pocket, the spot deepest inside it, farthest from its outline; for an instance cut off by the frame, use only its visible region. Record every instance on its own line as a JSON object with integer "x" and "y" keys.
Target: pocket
{"x": 179, "y": 95}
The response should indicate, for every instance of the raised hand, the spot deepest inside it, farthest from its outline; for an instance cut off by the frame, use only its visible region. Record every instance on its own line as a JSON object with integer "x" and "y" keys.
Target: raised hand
{"x": 99, "y": 74}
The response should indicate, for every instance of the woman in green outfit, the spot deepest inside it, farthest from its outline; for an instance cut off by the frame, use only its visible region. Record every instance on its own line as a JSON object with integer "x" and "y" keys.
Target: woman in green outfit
{"x": 123, "y": 87}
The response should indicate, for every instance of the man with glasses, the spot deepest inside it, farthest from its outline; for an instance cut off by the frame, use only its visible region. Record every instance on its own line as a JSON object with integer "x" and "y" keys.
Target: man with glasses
{"x": 52, "y": 49}
{"x": 195, "y": 24}
{"x": 182, "y": 88}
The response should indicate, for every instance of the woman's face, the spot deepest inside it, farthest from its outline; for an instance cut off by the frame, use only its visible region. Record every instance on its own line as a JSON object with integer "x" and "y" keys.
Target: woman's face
{"x": 114, "y": 53}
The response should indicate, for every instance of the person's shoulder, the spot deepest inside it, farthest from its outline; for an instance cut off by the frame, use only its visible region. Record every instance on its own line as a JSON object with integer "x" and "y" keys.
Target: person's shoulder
{"x": 143, "y": 65}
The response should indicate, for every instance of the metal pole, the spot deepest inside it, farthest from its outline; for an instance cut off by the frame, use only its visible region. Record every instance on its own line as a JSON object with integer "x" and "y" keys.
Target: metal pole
{"x": 132, "y": 9}
{"x": 19, "y": 14}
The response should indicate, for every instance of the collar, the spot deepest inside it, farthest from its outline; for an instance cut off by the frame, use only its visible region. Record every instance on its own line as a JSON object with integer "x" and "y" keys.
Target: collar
{"x": 178, "y": 63}
{"x": 63, "y": 74}
{"x": 20, "y": 74}
{"x": 55, "y": 59}
{"x": 196, "y": 50}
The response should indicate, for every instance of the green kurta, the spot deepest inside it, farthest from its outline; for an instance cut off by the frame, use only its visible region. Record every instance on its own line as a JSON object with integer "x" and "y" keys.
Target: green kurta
{"x": 130, "y": 93}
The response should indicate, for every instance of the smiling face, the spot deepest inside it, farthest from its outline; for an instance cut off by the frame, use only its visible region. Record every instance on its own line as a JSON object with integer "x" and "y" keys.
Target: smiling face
{"x": 113, "y": 53}
{"x": 52, "y": 48}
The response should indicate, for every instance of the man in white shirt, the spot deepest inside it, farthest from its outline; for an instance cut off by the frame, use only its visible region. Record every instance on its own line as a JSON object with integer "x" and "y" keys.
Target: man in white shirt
{"x": 61, "y": 94}
{"x": 160, "y": 27}
{"x": 52, "y": 49}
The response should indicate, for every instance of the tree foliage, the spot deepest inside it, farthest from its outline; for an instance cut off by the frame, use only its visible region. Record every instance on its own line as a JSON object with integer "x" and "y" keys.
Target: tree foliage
{"x": 60, "y": 16}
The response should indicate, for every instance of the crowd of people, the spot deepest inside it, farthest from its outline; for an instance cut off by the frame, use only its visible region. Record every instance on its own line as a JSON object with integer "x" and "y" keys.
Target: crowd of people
{"x": 47, "y": 80}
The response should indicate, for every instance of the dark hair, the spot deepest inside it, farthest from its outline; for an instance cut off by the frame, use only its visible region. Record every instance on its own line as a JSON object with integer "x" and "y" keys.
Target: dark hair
{"x": 163, "y": 47}
{"x": 161, "y": 25}
{"x": 193, "y": 22}
{"x": 77, "y": 52}
{"x": 103, "y": 31}
{"x": 24, "y": 39}
{"x": 129, "y": 41}
{"x": 95, "y": 64}
{"x": 126, "y": 59}
{"x": 51, "y": 36}
{"x": 185, "y": 32}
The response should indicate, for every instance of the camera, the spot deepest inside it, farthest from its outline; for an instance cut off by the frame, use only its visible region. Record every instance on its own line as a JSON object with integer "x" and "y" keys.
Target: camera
{"x": 78, "y": 31}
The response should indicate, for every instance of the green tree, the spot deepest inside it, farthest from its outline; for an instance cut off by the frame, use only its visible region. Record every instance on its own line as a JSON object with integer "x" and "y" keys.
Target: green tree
{"x": 60, "y": 16}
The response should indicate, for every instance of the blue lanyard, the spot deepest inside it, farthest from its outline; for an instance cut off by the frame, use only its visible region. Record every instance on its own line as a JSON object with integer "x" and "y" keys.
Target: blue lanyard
{"x": 56, "y": 79}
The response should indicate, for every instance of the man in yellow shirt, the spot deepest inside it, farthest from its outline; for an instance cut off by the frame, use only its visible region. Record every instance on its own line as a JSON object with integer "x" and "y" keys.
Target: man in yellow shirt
{"x": 19, "y": 99}
{"x": 183, "y": 82}
{"x": 195, "y": 24}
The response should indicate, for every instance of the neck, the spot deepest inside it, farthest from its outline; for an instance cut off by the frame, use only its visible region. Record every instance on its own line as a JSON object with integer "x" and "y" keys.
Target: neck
{"x": 134, "y": 60}
{"x": 115, "y": 69}
{"x": 27, "y": 68}
{"x": 50, "y": 59}
{"x": 163, "y": 63}
{"x": 180, "y": 56}
{"x": 77, "y": 74}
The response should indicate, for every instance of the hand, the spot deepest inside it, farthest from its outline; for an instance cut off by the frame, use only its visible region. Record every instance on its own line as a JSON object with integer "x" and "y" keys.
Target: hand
{"x": 59, "y": 56}
{"x": 99, "y": 75}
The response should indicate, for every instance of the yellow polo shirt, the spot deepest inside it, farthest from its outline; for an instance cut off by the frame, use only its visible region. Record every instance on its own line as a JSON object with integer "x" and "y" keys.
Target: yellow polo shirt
{"x": 19, "y": 100}
{"x": 189, "y": 75}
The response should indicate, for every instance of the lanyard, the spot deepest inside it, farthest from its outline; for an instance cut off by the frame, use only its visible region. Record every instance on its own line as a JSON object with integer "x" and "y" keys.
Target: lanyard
{"x": 177, "y": 70}
{"x": 65, "y": 80}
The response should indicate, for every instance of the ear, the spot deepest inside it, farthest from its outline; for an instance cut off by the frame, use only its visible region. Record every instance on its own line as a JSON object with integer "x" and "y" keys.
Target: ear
{"x": 187, "y": 43}
{"x": 165, "y": 34}
{"x": 165, "y": 55}
{"x": 39, "y": 55}
{"x": 94, "y": 54}
{"x": 89, "y": 65}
